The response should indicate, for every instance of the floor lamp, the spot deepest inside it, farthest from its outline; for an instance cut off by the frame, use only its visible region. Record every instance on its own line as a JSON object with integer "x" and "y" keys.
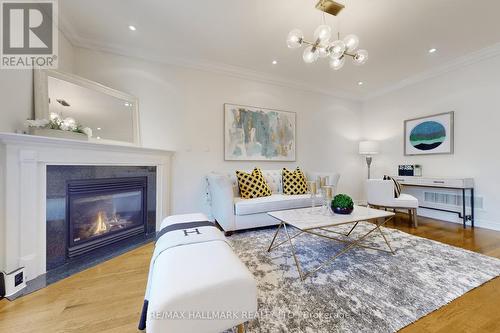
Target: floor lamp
{"x": 368, "y": 149}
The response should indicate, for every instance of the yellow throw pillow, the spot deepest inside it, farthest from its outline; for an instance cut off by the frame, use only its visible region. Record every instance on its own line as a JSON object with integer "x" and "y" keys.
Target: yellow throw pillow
{"x": 294, "y": 182}
{"x": 252, "y": 185}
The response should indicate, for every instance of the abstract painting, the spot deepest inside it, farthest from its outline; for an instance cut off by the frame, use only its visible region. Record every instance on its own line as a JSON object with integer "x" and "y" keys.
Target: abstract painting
{"x": 258, "y": 134}
{"x": 429, "y": 135}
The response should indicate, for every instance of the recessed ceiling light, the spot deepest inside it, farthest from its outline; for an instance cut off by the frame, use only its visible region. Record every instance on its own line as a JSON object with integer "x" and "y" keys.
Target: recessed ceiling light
{"x": 131, "y": 27}
{"x": 275, "y": 62}
{"x": 432, "y": 50}
{"x": 360, "y": 83}
{"x": 98, "y": 128}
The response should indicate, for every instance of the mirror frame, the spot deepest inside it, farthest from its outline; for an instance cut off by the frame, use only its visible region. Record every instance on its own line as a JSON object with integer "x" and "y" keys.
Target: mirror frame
{"x": 41, "y": 97}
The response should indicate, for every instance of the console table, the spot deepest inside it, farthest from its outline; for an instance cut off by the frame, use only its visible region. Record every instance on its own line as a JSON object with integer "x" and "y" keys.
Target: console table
{"x": 462, "y": 184}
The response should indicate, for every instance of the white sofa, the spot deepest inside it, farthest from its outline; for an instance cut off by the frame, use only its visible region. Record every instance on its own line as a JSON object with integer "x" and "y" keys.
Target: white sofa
{"x": 234, "y": 213}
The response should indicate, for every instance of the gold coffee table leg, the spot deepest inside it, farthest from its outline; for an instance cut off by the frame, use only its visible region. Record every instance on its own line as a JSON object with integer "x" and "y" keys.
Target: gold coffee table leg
{"x": 274, "y": 238}
{"x": 348, "y": 247}
{"x": 383, "y": 235}
{"x": 355, "y": 225}
{"x": 344, "y": 250}
{"x": 302, "y": 277}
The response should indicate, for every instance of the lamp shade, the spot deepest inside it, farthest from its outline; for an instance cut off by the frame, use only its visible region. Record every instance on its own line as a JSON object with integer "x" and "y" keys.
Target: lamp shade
{"x": 368, "y": 147}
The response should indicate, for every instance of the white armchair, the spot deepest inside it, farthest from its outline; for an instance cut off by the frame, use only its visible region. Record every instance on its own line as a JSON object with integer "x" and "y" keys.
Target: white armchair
{"x": 380, "y": 193}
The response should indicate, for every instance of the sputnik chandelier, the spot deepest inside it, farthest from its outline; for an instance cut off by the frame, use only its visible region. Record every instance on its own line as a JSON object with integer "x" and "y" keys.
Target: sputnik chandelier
{"x": 323, "y": 47}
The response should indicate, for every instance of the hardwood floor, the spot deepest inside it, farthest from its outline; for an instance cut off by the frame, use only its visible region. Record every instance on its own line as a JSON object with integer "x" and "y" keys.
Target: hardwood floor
{"x": 105, "y": 298}
{"x": 108, "y": 297}
{"x": 477, "y": 310}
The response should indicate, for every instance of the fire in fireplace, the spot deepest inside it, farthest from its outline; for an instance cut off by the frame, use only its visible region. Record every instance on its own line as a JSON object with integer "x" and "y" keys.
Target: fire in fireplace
{"x": 104, "y": 211}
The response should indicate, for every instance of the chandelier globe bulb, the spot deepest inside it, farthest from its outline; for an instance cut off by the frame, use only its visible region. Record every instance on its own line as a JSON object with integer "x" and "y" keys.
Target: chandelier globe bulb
{"x": 351, "y": 42}
{"x": 337, "y": 49}
{"x": 337, "y": 63}
{"x": 310, "y": 55}
{"x": 295, "y": 39}
{"x": 323, "y": 33}
{"x": 360, "y": 57}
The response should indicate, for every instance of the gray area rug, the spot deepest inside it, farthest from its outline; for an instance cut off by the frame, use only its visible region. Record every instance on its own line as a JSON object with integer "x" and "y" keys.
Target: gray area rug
{"x": 364, "y": 290}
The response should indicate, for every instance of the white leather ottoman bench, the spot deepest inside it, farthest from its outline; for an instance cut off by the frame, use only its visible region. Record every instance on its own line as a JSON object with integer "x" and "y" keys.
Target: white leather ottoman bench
{"x": 196, "y": 282}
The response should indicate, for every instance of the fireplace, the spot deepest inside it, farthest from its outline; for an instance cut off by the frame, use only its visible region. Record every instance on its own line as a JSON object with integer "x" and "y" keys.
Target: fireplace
{"x": 104, "y": 211}
{"x": 94, "y": 212}
{"x": 34, "y": 176}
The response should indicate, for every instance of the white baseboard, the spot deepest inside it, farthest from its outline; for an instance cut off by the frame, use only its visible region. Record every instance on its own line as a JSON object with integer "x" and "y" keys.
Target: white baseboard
{"x": 487, "y": 224}
{"x": 452, "y": 217}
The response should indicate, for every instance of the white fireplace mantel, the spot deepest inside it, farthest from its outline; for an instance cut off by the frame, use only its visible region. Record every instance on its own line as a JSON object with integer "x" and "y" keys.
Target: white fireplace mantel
{"x": 23, "y": 168}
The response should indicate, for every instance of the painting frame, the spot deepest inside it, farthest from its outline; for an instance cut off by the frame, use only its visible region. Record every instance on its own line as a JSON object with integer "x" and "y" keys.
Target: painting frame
{"x": 291, "y": 157}
{"x": 409, "y": 149}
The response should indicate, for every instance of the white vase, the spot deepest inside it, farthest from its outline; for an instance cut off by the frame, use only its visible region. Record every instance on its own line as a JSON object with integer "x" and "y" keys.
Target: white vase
{"x": 53, "y": 133}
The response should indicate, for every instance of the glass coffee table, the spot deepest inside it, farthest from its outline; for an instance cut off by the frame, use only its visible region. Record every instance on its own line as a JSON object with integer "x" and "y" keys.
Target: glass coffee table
{"x": 312, "y": 221}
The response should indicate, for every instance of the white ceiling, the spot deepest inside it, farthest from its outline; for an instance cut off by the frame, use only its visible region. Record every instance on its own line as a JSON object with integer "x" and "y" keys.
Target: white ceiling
{"x": 244, "y": 36}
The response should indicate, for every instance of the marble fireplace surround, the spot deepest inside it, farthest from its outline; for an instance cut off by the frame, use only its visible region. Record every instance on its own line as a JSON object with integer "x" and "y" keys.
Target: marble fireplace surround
{"x": 23, "y": 173}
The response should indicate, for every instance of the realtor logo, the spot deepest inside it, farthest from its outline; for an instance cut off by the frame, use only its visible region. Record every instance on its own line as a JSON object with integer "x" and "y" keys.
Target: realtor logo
{"x": 29, "y": 34}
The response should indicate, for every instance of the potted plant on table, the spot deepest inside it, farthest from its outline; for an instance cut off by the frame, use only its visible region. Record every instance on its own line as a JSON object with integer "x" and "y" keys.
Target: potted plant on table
{"x": 342, "y": 204}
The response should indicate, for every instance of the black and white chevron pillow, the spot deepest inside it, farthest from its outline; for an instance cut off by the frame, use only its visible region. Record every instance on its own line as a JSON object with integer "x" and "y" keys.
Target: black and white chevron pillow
{"x": 397, "y": 186}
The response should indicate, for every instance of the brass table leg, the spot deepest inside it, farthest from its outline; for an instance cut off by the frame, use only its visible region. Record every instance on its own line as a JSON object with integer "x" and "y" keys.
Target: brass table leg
{"x": 344, "y": 250}
{"x": 302, "y": 277}
{"x": 271, "y": 247}
{"x": 355, "y": 225}
{"x": 383, "y": 235}
{"x": 351, "y": 245}
{"x": 274, "y": 238}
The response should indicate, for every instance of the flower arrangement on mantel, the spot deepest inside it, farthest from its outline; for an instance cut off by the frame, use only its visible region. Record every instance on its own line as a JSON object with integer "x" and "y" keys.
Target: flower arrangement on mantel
{"x": 57, "y": 123}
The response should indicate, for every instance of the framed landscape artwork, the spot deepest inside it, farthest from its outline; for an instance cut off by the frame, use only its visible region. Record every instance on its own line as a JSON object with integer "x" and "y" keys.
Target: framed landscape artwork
{"x": 258, "y": 134}
{"x": 429, "y": 135}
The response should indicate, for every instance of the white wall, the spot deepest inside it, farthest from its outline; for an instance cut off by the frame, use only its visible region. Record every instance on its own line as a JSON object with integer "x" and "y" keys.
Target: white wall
{"x": 473, "y": 92}
{"x": 16, "y": 90}
{"x": 182, "y": 109}
{"x": 16, "y": 96}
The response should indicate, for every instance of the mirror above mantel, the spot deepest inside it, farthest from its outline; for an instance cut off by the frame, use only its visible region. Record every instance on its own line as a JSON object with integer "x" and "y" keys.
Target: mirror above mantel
{"x": 112, "y": 115}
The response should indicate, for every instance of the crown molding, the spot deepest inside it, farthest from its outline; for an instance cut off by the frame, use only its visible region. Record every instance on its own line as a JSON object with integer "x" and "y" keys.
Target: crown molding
{"x": 202, "y": 65}
{"x": 469, "y": 59}
{"x": 67, "y": 29}
{"x": 247, "y": 74}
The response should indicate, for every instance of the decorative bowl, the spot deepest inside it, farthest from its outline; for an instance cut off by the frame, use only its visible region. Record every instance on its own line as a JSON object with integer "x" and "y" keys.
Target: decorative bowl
{"x": 342, "y": 210}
